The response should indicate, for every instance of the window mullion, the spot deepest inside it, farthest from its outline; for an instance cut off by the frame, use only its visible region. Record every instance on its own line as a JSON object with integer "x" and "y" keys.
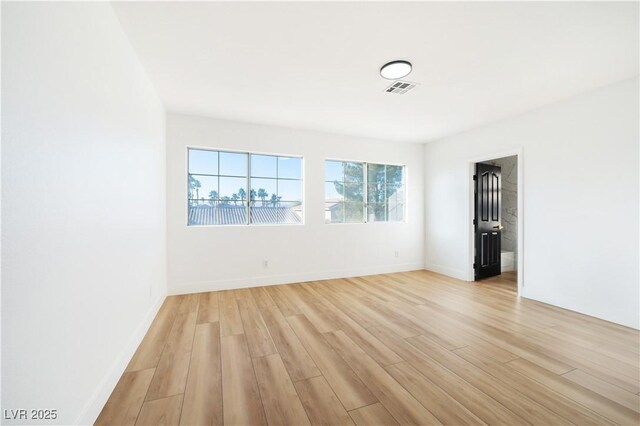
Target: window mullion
{"x": 248, "y": 185}
{"x": 365, "y": 170}
{"x": 189, "y": 195}
{"x": 386, "y": 199}
{"x": 343, "y": 219}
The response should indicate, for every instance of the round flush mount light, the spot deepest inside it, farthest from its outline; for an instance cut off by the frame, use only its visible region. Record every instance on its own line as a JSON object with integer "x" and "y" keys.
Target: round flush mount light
{"x": 395, "y": 70}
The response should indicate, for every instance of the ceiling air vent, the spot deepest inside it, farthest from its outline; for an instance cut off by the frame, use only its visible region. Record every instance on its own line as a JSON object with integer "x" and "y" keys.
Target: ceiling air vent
{"x": 400, "y": 87}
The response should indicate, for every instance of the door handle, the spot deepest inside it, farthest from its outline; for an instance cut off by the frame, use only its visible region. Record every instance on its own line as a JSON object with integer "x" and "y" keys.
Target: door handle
{"x": 498, "y": 227}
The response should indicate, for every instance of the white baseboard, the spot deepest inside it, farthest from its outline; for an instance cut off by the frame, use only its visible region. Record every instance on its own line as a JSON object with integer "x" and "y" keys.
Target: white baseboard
{"x": 555, "y": 304}
{"x": 202, "y": 286}
{"x": 96, "y": 402}
{"x": 445, "y": 270}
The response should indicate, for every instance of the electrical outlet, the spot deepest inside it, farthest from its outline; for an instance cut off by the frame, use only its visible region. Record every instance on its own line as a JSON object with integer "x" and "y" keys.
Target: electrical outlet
{"x": 265, "y": 263}
{"x": 397, "y": 253}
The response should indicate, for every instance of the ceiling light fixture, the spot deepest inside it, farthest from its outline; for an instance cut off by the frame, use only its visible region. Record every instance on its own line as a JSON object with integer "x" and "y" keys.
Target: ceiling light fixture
{"x": 395, "y": 70}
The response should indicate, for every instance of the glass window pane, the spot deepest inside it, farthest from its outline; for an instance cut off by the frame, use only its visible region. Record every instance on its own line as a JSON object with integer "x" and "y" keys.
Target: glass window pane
{"x": 203, "y": 162}
{"x": 330, "y": 192}
{"x": 233, "y": 164}
{"x": 354, "y": 192}
{"x": 282, "y": 213}
{"x": 231, "y": 215}
{"x": 202, "y": 187}
{"x": 290, "y": 190}
{"x": 375, "y": 173}
{"x": 376, "y": 212}
{"x": 334, "y": 213}
{"x": 228, "y": 214}
{"x": 396, "y": 213}
{"x": 297, "y": 211}
{"x": 375, "y": 193}
{"x": 218, "y": 214}
{"x": 394, "y": 177}
{"x": 333, "y": 171}
{"x": 264, "y": 166}
{"x": 217, "y": 195}
{"x": 354, "y": 212}
{"x": 395, "y": 195}
{"x": 290, "y": 212}
{"x": 198, "y": 216}
{"x": 230, "y": 186}
{"x": 290, "y": 167}
{"x": 226, "y": 201}
{"x": 353, "y": 172}
{"x": 200, "y": 202}
{"x": 262, "y": 189}
{"x": 233, "y": 201}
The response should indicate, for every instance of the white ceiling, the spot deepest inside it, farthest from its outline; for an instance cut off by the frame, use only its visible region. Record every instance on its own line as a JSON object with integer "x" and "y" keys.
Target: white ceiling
{"x": 315, "y": 65}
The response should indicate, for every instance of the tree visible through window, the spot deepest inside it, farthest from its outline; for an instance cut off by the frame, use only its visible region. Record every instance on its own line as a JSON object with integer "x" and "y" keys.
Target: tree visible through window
{"x": 362, "y": 192}
{"x": 385, "y": 193}
{"x": 231, "y": 188}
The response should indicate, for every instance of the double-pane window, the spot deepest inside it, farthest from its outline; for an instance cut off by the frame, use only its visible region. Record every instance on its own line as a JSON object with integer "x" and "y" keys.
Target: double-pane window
{"x": 276, "y": 188}
{"x": 358, "y": 192}
{"x": 236, "y": 188}
{"x": 385, "y": 193}
{"x": 344, "y": 192}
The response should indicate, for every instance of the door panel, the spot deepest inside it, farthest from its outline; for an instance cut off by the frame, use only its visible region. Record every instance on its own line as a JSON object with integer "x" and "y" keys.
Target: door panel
{"x": 488, "y": 228}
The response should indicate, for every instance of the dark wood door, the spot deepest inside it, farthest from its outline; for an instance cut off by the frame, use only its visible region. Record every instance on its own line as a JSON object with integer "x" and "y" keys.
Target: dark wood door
{"x": 488, "y": 227}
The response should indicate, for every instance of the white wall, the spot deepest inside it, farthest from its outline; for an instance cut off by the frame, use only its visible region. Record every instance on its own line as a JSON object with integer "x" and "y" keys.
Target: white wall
{"x": 212, "y": 258}
{"x": 580, "y": 171}
{"x": 83, "y": 191}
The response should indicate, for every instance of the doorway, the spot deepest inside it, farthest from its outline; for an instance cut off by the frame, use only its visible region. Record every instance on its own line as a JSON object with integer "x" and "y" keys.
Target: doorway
{"x": 496, "y": 222}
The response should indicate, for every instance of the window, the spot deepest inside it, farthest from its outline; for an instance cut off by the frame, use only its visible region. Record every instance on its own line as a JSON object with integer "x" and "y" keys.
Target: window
{"x": 276, "y": 189}
{"x": 344, "y": 192}
{"x": 362, "y": 192}
{"x": 234, "y": 188}
{"x": 385, "y": 193}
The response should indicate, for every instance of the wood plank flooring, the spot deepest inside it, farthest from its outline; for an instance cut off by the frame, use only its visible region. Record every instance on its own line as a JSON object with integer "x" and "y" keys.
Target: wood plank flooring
{"x": 403, "y": 348}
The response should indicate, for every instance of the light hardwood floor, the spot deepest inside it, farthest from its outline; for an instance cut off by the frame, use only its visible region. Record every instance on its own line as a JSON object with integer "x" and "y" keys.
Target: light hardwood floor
{"x": 404, "y": 348}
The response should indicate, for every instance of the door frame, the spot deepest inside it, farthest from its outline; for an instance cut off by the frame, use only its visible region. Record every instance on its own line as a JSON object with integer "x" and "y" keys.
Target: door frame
{"x": 471, "y": 166}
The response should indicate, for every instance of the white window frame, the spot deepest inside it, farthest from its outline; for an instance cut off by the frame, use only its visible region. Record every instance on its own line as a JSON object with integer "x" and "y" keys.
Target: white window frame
{"x": 247, "y": 186}
{"x": 365, "y": 167}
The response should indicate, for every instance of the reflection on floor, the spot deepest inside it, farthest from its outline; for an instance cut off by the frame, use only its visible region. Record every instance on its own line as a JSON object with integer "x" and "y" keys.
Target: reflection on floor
{"x": 507, "y": 281}
{"x": 403, "y": 348}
